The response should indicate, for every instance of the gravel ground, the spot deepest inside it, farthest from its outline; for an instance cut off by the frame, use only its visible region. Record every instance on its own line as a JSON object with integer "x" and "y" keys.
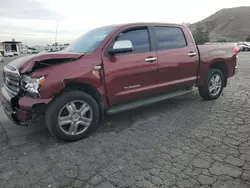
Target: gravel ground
{"x": 183, "y": 142}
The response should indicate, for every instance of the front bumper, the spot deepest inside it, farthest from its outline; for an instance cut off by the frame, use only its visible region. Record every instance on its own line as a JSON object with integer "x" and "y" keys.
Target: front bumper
{"x": 16, "y": 116}
{"x": 23, "y": 110}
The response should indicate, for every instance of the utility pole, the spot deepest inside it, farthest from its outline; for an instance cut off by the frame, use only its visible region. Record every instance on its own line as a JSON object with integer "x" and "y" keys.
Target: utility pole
{"x": 56, "y": 32}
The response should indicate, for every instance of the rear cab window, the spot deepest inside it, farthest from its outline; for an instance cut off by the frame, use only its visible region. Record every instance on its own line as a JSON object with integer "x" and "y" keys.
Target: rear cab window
{"x": 168, "y": 37}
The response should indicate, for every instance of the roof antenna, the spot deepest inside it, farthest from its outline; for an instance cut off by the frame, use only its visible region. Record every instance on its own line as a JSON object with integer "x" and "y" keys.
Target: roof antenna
{"x": 56, "y": 33}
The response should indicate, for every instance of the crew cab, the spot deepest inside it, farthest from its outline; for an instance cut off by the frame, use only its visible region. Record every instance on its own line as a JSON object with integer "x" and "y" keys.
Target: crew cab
{"x": 112, "y": 69}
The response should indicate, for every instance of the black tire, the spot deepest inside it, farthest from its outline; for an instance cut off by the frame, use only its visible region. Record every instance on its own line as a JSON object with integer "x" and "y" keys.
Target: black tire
{"x": 53, "y": 110}
{"x": 204, "y": 90}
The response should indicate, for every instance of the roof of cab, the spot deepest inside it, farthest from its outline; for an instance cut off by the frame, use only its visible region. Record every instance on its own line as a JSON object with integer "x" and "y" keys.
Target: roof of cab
{"x": 143, "y": 24}
{"x": 150, "y": 23}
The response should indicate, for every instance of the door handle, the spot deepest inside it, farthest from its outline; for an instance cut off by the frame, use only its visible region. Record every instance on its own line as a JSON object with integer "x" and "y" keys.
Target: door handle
{"x": 150, "y": 59}
{"x": 191, "y": 54}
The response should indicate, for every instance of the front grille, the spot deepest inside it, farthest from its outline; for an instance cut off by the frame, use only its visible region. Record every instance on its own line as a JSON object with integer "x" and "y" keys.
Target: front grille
{"x": 11, "y": 80}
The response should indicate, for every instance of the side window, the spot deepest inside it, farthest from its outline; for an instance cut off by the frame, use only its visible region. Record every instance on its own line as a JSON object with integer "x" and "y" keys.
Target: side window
{"x": 139, "y": 39}
{"x": 170, "y": 38}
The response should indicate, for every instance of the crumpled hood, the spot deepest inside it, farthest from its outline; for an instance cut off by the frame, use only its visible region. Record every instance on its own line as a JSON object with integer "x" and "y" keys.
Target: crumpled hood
{"x": 26, "y": 63}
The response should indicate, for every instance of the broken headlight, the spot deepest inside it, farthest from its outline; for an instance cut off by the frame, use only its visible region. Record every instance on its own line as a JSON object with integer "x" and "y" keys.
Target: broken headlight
{"x": 32, "y": 85}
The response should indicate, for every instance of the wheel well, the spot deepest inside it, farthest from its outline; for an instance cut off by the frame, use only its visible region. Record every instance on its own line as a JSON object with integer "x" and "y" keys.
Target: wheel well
{"x": 89, "y": 89}
{"x": 223, "y": 68}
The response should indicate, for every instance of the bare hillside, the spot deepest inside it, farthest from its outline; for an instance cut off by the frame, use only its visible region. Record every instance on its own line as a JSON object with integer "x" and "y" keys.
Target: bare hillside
{"x": 232, "y": 24}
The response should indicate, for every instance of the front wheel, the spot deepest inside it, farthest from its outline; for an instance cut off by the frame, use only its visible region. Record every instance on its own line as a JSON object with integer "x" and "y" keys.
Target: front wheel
{"x": 72, "y": 115}
{"x": 213, "y": 85}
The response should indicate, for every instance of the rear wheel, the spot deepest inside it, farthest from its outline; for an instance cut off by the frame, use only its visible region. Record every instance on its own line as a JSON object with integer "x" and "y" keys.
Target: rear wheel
{"x": 213, "y": 85}
{"x": 72, "y": 116}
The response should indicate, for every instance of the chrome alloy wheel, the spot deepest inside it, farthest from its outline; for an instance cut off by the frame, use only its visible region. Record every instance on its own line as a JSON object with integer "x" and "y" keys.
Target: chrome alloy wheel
{"x": 75, "y": 117}
{"x": 215, "y": 85}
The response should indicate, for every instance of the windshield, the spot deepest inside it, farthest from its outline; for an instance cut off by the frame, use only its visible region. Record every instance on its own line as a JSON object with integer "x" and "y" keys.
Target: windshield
{"x": 90, "y": 41}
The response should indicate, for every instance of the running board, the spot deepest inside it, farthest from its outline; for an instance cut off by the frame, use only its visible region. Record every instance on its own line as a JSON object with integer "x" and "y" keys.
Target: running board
{"x": 145, "y": 102}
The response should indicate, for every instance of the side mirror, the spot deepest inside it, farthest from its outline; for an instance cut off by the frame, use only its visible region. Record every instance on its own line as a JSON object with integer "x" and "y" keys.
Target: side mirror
{"x": 122, "y": 46}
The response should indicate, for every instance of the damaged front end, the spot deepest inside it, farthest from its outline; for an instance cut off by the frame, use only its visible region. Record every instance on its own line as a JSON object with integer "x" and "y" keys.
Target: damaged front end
{"x": 11, "y": 92}
{"x": 19, "y": 107}
{"x": 20, "y": 96}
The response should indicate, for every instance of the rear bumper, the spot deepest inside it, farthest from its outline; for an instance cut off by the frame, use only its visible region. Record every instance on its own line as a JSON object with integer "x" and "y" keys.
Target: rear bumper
{"x": 22, "y": 111}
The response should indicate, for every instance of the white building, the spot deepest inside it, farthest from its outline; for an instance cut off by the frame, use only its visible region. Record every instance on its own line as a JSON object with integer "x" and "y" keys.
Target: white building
{"x": 11, "y": 46}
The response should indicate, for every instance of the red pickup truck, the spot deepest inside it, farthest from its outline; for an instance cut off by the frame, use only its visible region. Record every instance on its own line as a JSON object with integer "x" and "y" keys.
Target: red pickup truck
{"x": 112, "y": 69}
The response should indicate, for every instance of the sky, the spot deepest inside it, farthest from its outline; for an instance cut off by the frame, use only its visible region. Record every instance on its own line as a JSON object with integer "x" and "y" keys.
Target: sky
{"x": 34, "y": 21}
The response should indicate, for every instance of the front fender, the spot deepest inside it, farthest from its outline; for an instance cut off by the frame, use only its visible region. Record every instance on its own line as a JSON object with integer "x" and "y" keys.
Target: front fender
{"x": 56, "y": 82}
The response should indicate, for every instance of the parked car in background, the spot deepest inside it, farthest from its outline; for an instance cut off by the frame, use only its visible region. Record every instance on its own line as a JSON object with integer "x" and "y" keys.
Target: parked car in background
{"x": 244, "y": 46}
{"x": 8, "y": 54}
{"x": 113, "y": 69}
{"x": 1, "y": 58}
{"x": 15, "y": 53}
{"x": 33, "y": 51}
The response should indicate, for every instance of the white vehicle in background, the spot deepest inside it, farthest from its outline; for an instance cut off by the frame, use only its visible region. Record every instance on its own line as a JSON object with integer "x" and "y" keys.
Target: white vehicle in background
{"x": 33, "y": 51}
{"x": 8, "y": 54}
{"x": 1, "y": 58}
{"x": 15, "y": 53}
{"x": 244, "y": 46}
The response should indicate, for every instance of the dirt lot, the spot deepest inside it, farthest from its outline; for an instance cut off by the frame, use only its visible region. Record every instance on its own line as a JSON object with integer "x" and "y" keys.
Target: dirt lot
{"x": 184, "y": 142}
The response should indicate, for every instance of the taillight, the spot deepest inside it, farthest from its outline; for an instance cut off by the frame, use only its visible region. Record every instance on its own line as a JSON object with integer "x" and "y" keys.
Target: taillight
{"x": 236, "y": 50}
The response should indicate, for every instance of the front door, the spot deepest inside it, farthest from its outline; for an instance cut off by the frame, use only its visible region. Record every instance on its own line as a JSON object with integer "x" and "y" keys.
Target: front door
{"x": 132, "y": 75}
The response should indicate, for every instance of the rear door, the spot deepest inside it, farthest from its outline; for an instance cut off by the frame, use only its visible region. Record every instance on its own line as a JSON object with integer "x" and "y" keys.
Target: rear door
{"x": 132, "y": 75}
{"x": 177, "y": 58}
